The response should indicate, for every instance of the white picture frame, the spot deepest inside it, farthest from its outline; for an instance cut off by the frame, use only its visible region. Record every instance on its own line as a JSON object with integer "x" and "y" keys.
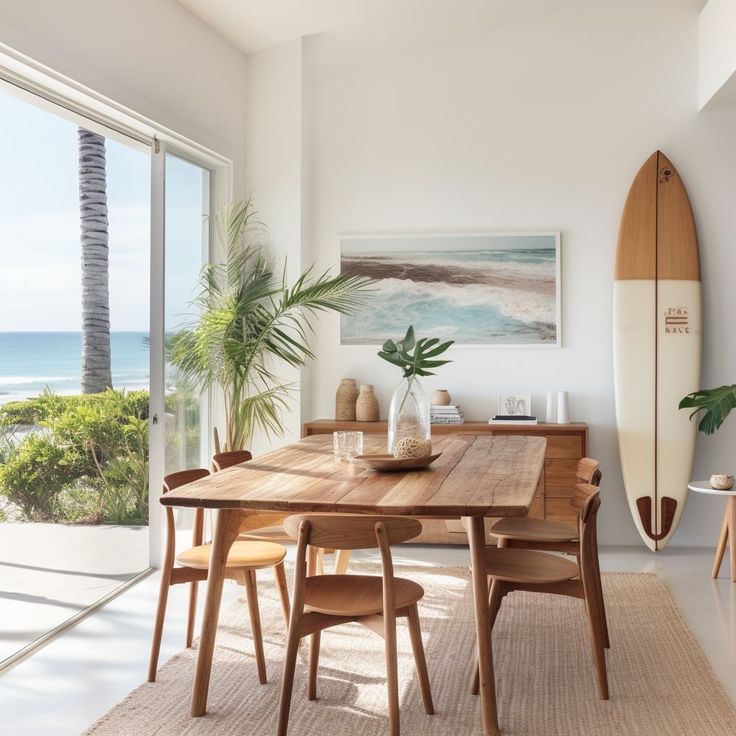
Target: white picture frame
{"x": 515, "y": 405}
{"x": 481, "y": 289}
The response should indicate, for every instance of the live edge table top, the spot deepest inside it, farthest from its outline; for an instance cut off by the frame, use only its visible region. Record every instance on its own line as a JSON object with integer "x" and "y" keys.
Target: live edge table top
{"x": 476, "y": 475}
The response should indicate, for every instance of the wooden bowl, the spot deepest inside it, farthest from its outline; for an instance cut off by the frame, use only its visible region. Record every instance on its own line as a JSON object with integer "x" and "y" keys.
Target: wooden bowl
{"x": 389, "y": 463}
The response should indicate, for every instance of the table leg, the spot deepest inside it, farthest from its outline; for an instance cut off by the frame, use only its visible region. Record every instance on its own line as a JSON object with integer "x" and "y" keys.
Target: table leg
{"x": 731, "y": 532}
{"x": 489, "y": 717}
{"x": 227, "y": 526}
{"x": 721, "y": 548}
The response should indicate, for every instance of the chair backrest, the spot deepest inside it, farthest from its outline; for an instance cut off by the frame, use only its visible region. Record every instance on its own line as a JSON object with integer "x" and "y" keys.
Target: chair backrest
{"x": 172, "y": 481}
{"x": 222, "y": 460}
{"x": 181, "y": 478}
{"x": 343, "y": 531}
{"x": 587, "y": 499}
{"x": 588, "y": 471}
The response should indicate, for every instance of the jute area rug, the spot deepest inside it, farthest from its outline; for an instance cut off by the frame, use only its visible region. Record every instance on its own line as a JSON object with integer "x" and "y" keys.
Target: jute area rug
{"x": 660, "y": 681}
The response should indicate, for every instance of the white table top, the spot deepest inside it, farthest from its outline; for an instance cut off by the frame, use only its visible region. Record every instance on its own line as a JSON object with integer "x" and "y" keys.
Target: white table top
{"x": 704, "y": 486}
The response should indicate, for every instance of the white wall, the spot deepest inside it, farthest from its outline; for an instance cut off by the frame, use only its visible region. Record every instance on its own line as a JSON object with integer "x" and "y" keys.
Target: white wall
{"x": 273, "y": 174}
{"x": 717, "y": 50}
{"x": 153, "y": 57}
{"x": 537, "y": 125}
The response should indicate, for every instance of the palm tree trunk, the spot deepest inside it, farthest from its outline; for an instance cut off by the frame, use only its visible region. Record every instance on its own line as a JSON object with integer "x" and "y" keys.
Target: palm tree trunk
{"x": 96, "y": 362}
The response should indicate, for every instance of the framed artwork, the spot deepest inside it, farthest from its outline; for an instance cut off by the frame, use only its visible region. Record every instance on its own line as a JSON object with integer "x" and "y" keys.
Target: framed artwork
{"x": 496, "y": 289}
{"x": 515, "y": 405}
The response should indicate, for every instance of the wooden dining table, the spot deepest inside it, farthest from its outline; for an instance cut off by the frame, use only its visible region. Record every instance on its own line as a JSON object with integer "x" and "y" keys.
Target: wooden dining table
{"x": 475, "y": 476}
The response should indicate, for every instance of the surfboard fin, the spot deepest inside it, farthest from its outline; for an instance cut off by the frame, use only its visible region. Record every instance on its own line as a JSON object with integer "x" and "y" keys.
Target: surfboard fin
{"x": 667, "y": 508}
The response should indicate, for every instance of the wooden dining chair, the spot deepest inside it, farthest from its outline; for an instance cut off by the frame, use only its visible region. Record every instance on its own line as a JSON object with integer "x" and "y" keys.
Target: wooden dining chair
{"x": 273, "y": 531}
{"x": 244, "y": 558}
{"x": 552, "y": 536}
{"x": 322, "y": 601}
{"x": 511, "y": 569}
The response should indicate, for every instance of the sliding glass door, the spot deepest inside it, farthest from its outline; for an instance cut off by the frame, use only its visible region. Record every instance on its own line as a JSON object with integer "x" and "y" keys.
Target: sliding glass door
{"x": 102, "y": 239}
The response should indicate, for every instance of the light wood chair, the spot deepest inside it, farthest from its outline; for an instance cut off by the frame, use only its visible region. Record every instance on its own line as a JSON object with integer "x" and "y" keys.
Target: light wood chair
{"x": 525, "y": 533}
{"x": 322, "y": 601}
{"x": 542, "y": 572}
{"x": 244, "y": 559}
{"x": 273, "y": 531}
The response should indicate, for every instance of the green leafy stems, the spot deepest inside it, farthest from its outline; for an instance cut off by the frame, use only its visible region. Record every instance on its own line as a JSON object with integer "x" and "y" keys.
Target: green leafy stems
{"x": 250, "y": 322}
{"x": 714, "y": 403}
{"x": 414, "y": 357}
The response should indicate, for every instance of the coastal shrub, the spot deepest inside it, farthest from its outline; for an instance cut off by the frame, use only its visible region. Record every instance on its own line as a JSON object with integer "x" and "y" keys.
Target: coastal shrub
{"x": 89, "y": 461}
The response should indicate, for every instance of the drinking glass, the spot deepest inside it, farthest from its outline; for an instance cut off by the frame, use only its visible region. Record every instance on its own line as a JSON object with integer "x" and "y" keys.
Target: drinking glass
{"x": 347, "y": 445}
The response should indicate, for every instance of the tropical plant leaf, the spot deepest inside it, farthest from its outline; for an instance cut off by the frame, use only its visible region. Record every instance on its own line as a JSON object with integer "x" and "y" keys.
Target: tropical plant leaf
{"x": 414, "y": 355}
{"x": 714, "y": 405}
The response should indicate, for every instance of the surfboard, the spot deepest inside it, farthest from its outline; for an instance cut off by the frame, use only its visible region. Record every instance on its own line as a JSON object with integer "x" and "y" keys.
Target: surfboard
{"x": 657, "y": 346}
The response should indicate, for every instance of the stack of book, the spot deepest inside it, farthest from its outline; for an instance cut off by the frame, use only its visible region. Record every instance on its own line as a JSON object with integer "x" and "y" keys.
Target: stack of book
{"x": 451, "y": 414}
{"x": 512, "y": 419}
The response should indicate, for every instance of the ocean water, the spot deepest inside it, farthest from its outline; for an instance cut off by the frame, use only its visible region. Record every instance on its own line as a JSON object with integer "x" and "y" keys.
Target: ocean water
{"x": 475, "y": 296}
{"x": 32, "y": 361}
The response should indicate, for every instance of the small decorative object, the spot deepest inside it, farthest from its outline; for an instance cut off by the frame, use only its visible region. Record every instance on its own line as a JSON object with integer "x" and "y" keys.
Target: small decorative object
{"x": 409, "y": 447}
{"x": 721, "y": 482}
{"x": 345, "y": 398}
{"x": 551, "y": 415}
{"x": 563, "y": 408}
{"x": 510, "y": 405}
{"x": 441, "y": 397}
{"x": 347, "y": 445}
{"x": 366, "y": 407}
{"x": 389, "y": 463}
{"x": 500, "y": 289}
{"x": 409, "y": 412}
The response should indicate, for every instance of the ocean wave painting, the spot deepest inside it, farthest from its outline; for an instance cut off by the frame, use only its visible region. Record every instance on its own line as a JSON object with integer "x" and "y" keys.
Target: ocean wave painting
{"x": 474, "y": 289}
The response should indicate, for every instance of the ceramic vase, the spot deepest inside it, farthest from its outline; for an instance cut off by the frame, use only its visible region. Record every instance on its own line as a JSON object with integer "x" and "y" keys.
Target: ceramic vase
{"x": 441, "y": 397}
{"x": 345, "y": 398}
{"x": 408, "y": 415}
{"x": 366, "y": 407}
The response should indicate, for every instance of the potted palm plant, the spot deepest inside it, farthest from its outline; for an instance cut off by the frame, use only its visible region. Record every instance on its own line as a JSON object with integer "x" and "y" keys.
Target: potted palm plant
{"x": 250, "y": 322}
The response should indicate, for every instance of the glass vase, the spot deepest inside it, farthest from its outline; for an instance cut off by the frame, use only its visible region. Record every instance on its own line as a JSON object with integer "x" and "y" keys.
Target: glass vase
{"x": 408, "y": 414}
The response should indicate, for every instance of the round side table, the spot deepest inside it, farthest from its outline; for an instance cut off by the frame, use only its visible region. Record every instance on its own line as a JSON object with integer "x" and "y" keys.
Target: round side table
{"x": 728, "y": 528}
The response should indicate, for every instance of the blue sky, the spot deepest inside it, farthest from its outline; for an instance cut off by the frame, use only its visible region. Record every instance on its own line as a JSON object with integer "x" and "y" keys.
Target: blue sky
{"x": 39, "y": 225}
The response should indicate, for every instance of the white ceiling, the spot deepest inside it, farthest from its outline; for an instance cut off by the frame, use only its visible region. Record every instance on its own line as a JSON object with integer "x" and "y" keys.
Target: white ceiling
{"x": 365, "y": 28}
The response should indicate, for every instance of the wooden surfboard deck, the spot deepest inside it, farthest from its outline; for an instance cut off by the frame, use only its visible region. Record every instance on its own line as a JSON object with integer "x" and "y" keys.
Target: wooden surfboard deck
{"x": 657, "y": 346}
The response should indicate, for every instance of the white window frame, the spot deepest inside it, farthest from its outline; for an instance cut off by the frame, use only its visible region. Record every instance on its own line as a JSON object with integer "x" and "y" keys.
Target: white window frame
{"x": 96, "y": 111}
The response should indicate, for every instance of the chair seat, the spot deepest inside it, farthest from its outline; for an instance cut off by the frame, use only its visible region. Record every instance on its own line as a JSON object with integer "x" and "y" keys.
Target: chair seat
{"x": 356, "y": 595}
{"x": 528, "y": 566}
{"x": 273, "y": 533}
{"x": 534, "y": 530}
{"x": 252, "y": 555}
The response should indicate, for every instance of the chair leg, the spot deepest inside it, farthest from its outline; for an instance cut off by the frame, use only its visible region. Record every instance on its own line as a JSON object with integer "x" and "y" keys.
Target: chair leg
{"x": 596, "y": 623}
{"x": 601, "y": 603}
{"x": 255, "y": 623}
{"x": 191, "y": 612}
{"x": 342, "y": 560}
{"x": 495, "y": 596}
{"x": 415, "y": 633}
{"x": 314, "y": 642}
{"x": 280, "y": 576}
{"x": 158, "y": 628}
{"x": 392, "y": 674}
{"x": 287, "y": 680}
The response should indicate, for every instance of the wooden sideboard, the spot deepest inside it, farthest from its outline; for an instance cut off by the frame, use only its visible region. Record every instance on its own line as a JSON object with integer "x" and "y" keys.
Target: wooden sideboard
{"x": 566, "y": 444}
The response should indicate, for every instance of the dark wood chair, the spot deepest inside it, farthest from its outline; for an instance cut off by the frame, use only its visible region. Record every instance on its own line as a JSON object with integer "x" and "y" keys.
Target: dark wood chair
{"x": 322, "y": 601}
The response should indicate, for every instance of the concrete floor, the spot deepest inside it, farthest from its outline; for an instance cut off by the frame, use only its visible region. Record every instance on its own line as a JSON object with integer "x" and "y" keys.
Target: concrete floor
{"x": 51, "y": 572}
{"x": 79, "y": 676}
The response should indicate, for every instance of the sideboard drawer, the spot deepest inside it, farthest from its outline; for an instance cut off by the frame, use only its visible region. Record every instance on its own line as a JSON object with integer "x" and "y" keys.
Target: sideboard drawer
{"x": 559, "y": 509}
{"x": 564, "y": 446}
{"x": 560, "y": 476}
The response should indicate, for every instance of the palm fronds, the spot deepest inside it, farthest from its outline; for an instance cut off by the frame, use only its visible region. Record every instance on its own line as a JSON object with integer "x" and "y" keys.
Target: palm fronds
{"x": 251, "y": 322}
